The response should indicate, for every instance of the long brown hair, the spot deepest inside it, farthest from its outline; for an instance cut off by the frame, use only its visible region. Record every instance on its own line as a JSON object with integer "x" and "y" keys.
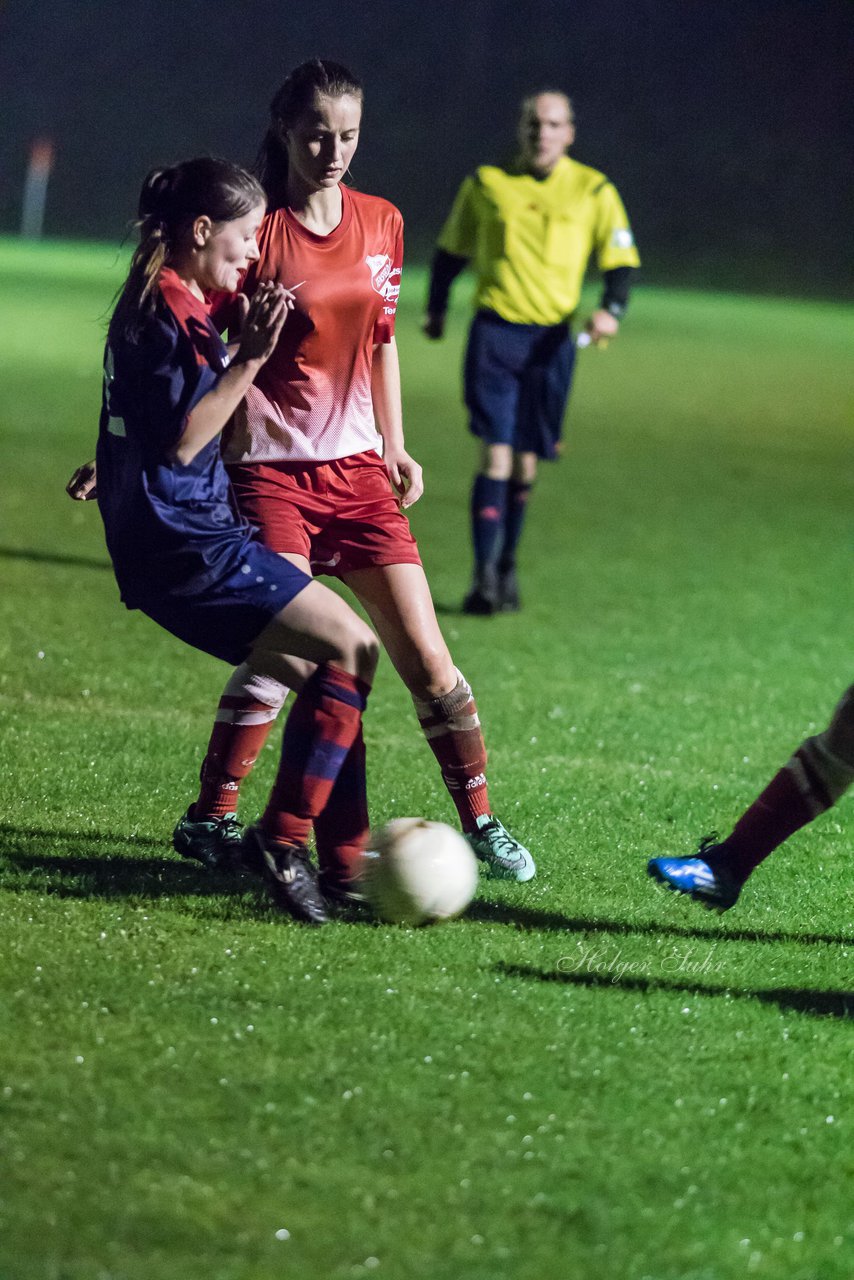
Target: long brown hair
{"x": 291, "y": 101}
{"x": 169, "y": 203}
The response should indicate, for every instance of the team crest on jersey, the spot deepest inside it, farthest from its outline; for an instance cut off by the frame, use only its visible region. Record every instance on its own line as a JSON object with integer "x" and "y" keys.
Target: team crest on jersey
{"x": 385, "y": 279}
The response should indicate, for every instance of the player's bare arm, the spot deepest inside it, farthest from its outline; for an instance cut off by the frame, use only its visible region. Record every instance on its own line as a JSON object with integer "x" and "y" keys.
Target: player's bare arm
{"x": 404, "y": 472}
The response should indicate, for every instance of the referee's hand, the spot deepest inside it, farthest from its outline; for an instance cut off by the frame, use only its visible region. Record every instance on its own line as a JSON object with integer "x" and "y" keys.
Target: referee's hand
{"x": 602, "y": 326}
{"x": 82, "y": 486}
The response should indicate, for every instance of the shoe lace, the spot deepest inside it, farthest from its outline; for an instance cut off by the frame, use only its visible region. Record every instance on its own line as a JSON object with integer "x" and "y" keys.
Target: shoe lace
{"x": 708, "y": 842}
{"x": 295, "y": 867}
{"x": 500, "y": 840}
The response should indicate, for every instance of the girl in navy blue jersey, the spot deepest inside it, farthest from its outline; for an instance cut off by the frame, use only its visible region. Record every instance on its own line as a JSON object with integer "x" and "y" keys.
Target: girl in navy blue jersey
{"x": 181, "y": 552}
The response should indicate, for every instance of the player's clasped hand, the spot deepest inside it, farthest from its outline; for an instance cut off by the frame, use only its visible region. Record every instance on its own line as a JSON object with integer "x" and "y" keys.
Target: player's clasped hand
{"x": 263, "y": 322}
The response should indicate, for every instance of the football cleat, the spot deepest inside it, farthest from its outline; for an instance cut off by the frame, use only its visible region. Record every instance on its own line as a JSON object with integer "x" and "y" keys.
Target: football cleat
{"x": 508, "y": 591}
{"x": 504, "y": 857}
{"x": 344, "y": 892}
{"x": 482, "y": 599}
{"x": 701, "y": 877}
{"x": 290, "y": 874}
{"x": 215, "y": 842}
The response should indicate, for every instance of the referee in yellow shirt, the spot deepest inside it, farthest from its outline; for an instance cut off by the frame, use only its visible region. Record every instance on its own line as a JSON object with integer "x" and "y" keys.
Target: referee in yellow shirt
{"x": 528, "y": 231}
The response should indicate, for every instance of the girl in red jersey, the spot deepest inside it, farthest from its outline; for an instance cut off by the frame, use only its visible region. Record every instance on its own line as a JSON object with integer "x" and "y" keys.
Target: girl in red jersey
{"x": 181, "y": 553}
{"x": 311, "y": 451}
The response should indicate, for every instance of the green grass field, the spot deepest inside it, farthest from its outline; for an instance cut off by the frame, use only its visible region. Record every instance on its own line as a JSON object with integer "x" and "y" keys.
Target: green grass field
{"x": 584, "y": 1079}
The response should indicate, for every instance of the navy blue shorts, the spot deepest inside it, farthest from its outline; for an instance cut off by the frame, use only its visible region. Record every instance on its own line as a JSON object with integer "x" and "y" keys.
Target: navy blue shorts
{"x": 226, "y": 619}
{"x": 517, "y": 380}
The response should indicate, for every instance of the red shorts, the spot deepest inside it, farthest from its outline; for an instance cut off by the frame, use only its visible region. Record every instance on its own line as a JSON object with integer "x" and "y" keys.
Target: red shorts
{"x": 341, "y": 515}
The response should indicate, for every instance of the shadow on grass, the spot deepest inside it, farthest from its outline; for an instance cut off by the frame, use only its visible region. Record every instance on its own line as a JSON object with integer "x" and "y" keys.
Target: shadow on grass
{"x": 98, "y": 866}
{"x": 112, "y": 872}
{"x": 529, "y": 918}
{"x": 52, "y": 557}
{"x": 817, "y": 1004}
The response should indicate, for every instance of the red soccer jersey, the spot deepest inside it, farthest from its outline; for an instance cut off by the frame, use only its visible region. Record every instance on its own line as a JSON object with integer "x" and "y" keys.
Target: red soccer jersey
{"x": 311, "y": 401}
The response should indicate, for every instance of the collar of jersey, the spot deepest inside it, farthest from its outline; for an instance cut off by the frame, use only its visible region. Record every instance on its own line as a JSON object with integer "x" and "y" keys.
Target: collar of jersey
{"x": 293, "y": 224}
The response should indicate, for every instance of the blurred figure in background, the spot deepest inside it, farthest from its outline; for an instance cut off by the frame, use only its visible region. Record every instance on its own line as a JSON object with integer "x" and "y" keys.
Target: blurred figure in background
{"x": 528, "y": 230}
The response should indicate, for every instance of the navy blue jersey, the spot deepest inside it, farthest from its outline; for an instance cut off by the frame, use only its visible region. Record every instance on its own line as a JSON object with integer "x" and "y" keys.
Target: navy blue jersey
{"x": 172, "y": 529}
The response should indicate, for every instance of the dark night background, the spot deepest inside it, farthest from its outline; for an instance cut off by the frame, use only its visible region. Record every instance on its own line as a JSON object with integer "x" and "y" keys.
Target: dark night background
{"x": 726, "y": 125}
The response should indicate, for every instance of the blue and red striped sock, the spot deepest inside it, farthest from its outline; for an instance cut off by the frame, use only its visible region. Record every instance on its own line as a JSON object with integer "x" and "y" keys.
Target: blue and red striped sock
{"x": 341, "y": 830}
{"x": 323, "y": 725}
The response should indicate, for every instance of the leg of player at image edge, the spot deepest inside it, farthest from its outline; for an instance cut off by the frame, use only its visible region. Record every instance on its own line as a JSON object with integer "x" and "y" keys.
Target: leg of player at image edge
{"x": 451, "y": 726}
{"x": 816, "y": 776}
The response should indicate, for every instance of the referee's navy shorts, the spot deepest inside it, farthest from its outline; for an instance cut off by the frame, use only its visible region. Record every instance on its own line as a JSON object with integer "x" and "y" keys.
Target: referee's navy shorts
{"x": 517, "y": 379}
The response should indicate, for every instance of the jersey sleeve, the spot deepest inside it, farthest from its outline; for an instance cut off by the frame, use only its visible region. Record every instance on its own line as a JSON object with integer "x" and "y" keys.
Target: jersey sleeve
{"x": 223, "y": 310}
{"x": 615, "y": 244}
{"x": 459, "y": 234}
{"x": 169, "y": 383}
{"x": 384, "y": 326}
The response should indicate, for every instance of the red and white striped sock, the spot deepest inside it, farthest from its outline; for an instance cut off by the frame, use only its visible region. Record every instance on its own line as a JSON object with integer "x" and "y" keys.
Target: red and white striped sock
{"x": 451, "y": 726}
{"x": 247, "y": 709}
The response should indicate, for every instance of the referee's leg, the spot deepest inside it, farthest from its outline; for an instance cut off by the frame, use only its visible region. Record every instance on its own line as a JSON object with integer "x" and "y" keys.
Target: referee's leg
{"x": 492, "y": 364}
{"x": 544, "y": 392}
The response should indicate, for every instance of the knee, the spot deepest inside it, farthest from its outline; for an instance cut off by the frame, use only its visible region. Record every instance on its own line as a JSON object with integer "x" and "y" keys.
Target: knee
{"x": 497, "y": 462}
{"x": 429, "y": 672}
{"x": 360, "y": 649}
{"x": 524, "y": 468}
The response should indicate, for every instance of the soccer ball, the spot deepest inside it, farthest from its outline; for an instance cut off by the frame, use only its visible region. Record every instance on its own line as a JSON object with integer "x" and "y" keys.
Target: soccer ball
{"x": 419, "y": 872}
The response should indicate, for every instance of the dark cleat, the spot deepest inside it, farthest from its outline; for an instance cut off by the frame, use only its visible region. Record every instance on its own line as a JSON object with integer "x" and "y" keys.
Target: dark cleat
{"x": 482, "y": 599}
{"x": 508, "y": 591}
{"x": 290, "y": 874}
{"x": 214, "y": 842}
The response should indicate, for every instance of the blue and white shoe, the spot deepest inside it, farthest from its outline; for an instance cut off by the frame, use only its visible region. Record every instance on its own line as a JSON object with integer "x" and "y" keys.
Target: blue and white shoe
{"x": 699, "y": 877}
{"x": 503, "y": 856}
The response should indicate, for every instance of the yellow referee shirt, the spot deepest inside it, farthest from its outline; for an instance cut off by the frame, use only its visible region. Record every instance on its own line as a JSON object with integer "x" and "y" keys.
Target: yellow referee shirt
{"x": 529, "y": 240}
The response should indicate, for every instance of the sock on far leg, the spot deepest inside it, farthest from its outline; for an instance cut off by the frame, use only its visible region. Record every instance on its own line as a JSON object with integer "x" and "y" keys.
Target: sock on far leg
{"x": 452, "y": 728}
{"x": 323, "y": 725}
{"x": 341, "y": 830}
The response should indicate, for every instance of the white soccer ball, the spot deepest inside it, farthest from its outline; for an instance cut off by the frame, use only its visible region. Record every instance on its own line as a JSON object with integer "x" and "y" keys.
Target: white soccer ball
{"x": 419, "y": 872}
